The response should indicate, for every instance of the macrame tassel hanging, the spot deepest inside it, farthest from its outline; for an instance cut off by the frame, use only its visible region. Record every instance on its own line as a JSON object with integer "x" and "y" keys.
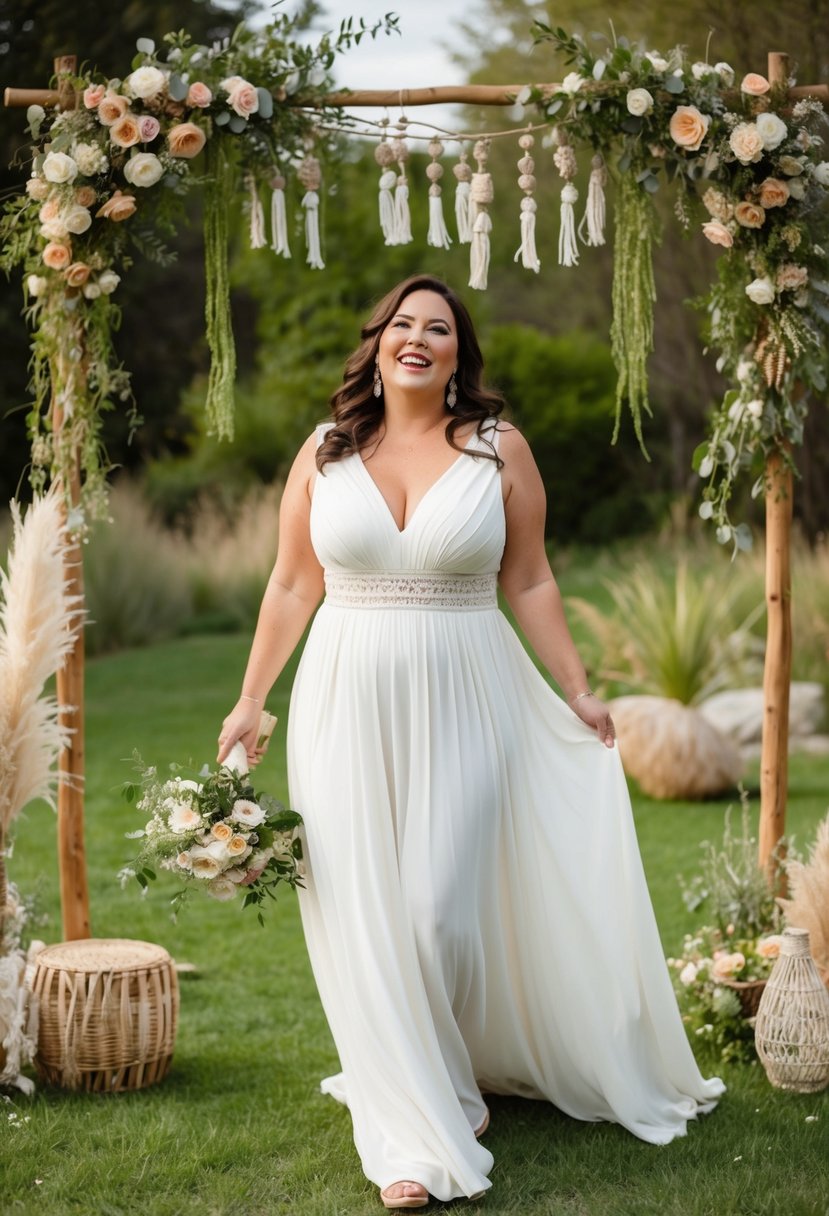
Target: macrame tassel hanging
{"x": 384, "y": 155}
{"x": 279, "y": 217}
{"x": 402, "y": 217}
{"x": 594, "y": 215}
{"x": 463, "y": 176}
{"x": 310, "y": 176}
{"x": 257, "y": 214}
{"x": 438, "y": 234}
{"x": 565, "y": 161}
{"x": 480, "y": 196}
{"x": 526, "y": 168}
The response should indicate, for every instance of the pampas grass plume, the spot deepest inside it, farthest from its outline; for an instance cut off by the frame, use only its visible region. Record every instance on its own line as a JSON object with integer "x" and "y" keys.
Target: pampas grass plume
{"x": 808, "y": 907}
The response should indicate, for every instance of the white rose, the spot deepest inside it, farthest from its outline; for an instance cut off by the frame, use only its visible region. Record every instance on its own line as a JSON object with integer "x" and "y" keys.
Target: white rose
{"x": 146, "y": 82}
{"x": 36, "y": 284}
{"x": 772, "y": 129}
{"x": 657, "y": 62}
{"x": 90, "y": 159}
{"x": 571, "y": 83}
{"x": 797, "y": 188}
{"x": 248, "y": 813}
{"x": 821, "y": 173}
{"x": 77, "y": 219}
{"x": 108, "y": 281}
{"x": 91, "y": 290}
{"x": 221, "y": 888}
{"x": 143, "y": 169}
{"x": 202, "y": 863}
{"x": 701, "y": 70}
{"x": 183, "y": 817}
{"x": 688, "y": 974}
{"x": 760, "y": 291}
{"x": 639, "y": 102}
{"x": 725, "y": 73}
{"x": 59, "y": 168}
{"x": 54, "y": 230}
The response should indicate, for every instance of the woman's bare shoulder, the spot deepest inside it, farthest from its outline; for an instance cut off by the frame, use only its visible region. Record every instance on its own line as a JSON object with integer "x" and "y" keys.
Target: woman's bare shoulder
{"x": 511, "y": 443}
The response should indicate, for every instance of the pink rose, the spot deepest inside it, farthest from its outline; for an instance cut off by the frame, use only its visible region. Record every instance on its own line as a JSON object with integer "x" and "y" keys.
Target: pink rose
{"x": 93, "y": 95}
{"x": 717, "y": 234}
{"x": 148, "y": 128}
{"x": 790, "y": 277}
{"x": 749, "y": 215}
{"x": 57, "y": 256}
{"x": 241, "y": 96}
{"x": 774, "y": 193}
{"x": 49, "y": 211}
{"x": 186, "y": 140}
{"x": 199, "y": 95}
{"x": 754, "y": 84}
{"x": 689, "y": 127}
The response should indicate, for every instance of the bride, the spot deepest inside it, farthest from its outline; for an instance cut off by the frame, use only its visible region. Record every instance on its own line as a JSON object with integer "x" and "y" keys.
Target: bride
{"x": 475, "y": 909}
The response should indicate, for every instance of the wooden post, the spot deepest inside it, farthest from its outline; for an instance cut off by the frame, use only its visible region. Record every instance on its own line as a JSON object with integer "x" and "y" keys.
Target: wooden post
{"x": 777, "y": 672}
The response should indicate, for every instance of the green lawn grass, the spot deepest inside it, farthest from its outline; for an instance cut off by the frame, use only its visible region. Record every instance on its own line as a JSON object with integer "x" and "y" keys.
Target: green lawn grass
{"x": 239, "y": 1126}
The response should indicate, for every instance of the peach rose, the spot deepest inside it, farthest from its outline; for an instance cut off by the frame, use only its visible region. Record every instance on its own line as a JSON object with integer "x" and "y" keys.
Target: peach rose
{"x": 689, "y": 127}
{"x": 199, "y": 95}
{"x": 774, "y": 193}
{"x": 125, "y": 132}
{"x": 746, "y": 143}
{"x": 790, "y": 277}
{"x": 717, "y": 234}
{"x": 236, "y": 845}
{"x": 221, "y": 831}
{"x": 57, "y": 256}
{"x": 717, "y": 205}
{"x": 749, "y": 215}
{"x": 77, "y": 274}
{"x": 769, "y": 947}
{"x": 85, "y": 196}
{"x": 754, "y": 84}
{"x": 242, "y": 96}
{"x": 119, "y": 207}
{"x": 36, "y": 188}
{"x": 94, "y": 95}
{"x": 186, "y": 140}
{"x": 49, "y": 211}
{"x": 112, "y": 107}
{"x": 726, "y": 966}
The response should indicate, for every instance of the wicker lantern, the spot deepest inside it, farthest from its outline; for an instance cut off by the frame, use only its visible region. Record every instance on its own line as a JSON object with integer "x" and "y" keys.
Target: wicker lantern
{"x": 108, "y": 1012}
{"x": 792, "y": 1029}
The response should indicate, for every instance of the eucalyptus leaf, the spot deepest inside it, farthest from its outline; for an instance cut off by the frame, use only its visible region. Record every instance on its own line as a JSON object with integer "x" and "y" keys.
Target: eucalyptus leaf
{"x": 265, "y": 103}
{"x": 554, "y": 107}
{"x": 623, "y": 163}
{"x": 145, "y": 45}
{"x": 651, "y": 184}
{"x": 674, "y": 84}
{"x": 176, "y": 87}
{"x": 599, "y": 68}
{"x": 237, "y": 124}
{"x": 699, "y": 452}
{"x": 706, "y": 509}
{"x": 222, "y": 118}
{"x": 742, "y": 537}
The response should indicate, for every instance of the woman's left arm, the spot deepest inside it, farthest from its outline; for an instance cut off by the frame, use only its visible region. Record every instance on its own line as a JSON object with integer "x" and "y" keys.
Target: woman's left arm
{"x": 530, "y": 588}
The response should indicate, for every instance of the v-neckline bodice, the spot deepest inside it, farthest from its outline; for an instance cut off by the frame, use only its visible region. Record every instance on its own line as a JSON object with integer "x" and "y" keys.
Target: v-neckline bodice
{"x": 390, "y": 514}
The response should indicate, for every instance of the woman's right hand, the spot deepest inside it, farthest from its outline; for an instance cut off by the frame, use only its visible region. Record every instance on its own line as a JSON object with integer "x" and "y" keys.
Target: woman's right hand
{"x": 242, "y": 723}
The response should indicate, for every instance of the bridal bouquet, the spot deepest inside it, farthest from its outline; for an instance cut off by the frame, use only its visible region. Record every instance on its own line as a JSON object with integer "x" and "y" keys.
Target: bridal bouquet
{"x": 216, "y": 834}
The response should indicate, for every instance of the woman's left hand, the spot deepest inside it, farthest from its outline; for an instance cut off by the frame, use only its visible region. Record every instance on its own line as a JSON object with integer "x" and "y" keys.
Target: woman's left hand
{"x": 595, "y": 713}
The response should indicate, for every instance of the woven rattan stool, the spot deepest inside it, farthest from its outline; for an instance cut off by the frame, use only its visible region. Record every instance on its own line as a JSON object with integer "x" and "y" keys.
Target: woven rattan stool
{"x": 108, "y": 1014}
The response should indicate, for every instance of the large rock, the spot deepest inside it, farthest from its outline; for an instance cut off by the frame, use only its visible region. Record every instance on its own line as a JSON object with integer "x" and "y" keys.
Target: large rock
{"x": 738, "y": 712}
{"x": 673, "y": 750}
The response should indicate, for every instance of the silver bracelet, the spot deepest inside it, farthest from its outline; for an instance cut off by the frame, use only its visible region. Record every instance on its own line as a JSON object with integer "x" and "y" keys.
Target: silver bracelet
{"x": 244, "y": 697}
{"x": 581, "y": 695}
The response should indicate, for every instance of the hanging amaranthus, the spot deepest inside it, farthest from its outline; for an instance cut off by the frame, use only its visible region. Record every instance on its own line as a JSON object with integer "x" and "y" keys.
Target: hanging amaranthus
{"x": 631, "y": 331}
{"x": 218, "y": 188}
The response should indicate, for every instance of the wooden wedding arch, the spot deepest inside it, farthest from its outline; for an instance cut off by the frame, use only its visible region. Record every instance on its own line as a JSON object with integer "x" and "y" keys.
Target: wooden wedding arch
{"x": 779, "y": 495}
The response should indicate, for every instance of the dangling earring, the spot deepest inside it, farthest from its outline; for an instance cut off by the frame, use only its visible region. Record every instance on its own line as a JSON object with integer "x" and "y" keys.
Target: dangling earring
{"x": 378, "y": 383}
{"x": 452, "y": 393}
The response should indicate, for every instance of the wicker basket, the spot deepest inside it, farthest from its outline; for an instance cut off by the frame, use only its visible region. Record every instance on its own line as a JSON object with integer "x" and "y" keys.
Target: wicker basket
{"x": 749, "y": 993}
{"x": 792, "y": 1029}
{"x": 108, "y": 1014}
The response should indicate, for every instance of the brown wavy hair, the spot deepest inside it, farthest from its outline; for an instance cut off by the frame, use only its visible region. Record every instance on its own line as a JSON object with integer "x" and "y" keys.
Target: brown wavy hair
{"x": 358, "y": 413}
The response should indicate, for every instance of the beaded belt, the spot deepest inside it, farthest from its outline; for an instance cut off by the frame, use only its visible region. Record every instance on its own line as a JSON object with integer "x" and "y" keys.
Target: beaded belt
{"x": 465, "y": 591}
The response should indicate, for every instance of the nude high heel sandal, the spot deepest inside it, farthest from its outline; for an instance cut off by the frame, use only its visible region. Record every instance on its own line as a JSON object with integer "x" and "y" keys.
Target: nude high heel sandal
{"x": 405, "y": 1201}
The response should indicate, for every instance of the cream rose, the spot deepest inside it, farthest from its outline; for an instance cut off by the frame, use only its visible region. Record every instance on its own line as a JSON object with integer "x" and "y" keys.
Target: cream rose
{"x": 57, "y": 256}
{"x": 59, "y": 168}
{"x": 746, "y": 143}
{"x": 790, "y": 165}
{"x": 76, "y": 274}
{"x": 91, "y": 291}
{"x": 85, "y": 196}
{"x": 37, "y": 189}
{"x": 146, "y": 82}
{"x": 241, "y": 96}
{"x": 754, "y": 85}
{"x": 36, "y": 284}
{"x": 203, "y": 864}
{"x": 54, "y": 230}
{"x": 199, "y": 95}
{"x": 221, "y": 888}
{"x": 797, "y": 188}
{"x": 119, "y": 207}
{"x": 125, "y": 132}
{"x": 108, "y": 281}
{"x": 249, "y": 814}
{"x": 717, "y": 234}
{"x": 772, "y": 129}
{"x": 688, "y": 127}
{"x": 143, "y": 170}
{"x": 112, "y": 107}
{"x": 769, "y": 947}
{"x": 717, "y": 205}
{"x": 790, "y": 277}
{"x": 93, "y": 95}
{"x": 185, "y": 861}
{"x": 77, "y": 219}
{"x": 186, "y": 140}
{"x": 749, "y": 215}
{"x": 773, "y": 193}
{"x": 639, "y": 102}
{"x": 760, "y": 291}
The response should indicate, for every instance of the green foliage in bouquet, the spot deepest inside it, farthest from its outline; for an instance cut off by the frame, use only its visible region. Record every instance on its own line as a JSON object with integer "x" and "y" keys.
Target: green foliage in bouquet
{"x": 216, "y": 834}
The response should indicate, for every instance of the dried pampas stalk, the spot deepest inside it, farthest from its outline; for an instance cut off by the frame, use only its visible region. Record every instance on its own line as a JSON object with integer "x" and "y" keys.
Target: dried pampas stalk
{"x": 808, "y": 907}
{"x": 38, "y": 623}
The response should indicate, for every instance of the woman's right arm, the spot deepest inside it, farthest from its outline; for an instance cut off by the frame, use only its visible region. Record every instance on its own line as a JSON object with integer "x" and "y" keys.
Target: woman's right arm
{"x": 294, "y": 590}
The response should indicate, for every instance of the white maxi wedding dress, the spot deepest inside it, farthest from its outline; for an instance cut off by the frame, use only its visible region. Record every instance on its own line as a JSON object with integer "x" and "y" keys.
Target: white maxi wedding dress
{"x": 475, "y": 908}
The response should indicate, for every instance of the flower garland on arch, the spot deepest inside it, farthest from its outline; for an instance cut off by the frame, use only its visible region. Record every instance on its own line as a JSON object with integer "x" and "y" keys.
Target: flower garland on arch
{"x": 109, "y": 178}
{"x": 750, "y": 165}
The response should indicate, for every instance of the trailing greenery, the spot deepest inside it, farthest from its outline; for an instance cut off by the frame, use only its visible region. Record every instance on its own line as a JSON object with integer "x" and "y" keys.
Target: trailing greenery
{"x": 221, "y": 180}
{"x": 634, "y": 294}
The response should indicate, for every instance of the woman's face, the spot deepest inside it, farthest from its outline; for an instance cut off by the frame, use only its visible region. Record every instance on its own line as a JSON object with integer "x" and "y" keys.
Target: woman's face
{"x": 419, "y": 347}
